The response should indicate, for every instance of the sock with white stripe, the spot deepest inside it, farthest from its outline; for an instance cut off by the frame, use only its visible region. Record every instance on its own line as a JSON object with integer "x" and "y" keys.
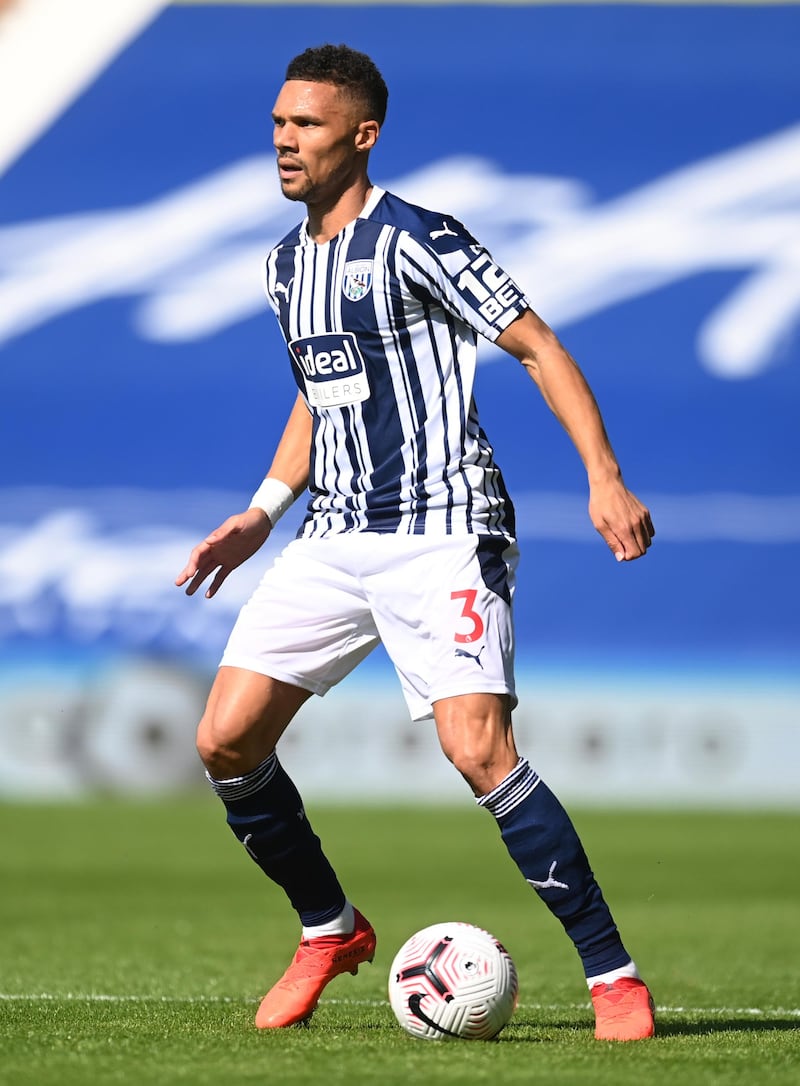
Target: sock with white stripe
{"x": 628, "y": 970}
{"x": 266, "y": 814}
{"x": 343, "y": 924}
{"x": 543, "y": 843}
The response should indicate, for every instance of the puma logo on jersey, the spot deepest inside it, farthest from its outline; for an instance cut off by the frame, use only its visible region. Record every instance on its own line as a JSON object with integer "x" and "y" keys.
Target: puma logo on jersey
{"x": 284, "y": 290}
{"x": 472, "y": 656}
{"x": 445, "y": 232}
{"x": 550, "y": 883}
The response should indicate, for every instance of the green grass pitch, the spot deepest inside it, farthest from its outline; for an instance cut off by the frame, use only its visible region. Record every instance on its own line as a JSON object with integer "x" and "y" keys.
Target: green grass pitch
{"x": 137, "y": 939}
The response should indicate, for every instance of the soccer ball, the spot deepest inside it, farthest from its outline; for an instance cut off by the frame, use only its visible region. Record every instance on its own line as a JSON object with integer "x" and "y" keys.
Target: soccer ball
{"x": 453, "y": 980}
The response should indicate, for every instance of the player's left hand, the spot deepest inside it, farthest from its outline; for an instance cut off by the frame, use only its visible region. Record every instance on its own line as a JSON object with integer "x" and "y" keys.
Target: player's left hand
{"x": 621, "y": 520}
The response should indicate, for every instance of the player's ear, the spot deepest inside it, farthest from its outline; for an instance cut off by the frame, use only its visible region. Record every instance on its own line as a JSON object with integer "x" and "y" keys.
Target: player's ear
{"x": 367, "y": 135}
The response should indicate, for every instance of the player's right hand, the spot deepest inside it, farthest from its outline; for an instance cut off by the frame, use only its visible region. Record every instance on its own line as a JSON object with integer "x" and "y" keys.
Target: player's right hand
{"x": 236, "y": 540}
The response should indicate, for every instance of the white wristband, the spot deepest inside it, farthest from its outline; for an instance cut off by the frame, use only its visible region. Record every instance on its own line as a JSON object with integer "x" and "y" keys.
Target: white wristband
{"x": 274, "y": 497}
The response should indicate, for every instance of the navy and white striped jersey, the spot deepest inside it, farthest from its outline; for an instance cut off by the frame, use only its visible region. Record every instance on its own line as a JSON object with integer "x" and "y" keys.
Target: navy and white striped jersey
{"x": 381, "y": 323}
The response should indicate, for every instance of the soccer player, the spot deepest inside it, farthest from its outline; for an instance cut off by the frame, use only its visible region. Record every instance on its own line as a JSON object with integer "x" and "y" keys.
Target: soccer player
{"x": 408, "y": 537}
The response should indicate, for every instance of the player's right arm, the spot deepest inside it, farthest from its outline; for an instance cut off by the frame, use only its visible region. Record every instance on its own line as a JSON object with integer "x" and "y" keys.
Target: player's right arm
{"x": 241, "y": 535}
{"x": 616, "y": 513}
{"x": 293, "y": 454}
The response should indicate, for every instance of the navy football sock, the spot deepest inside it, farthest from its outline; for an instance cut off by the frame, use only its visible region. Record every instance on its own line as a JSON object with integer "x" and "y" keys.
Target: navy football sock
{"x": 543, "y": 843}
{"x": 266, "y": 814}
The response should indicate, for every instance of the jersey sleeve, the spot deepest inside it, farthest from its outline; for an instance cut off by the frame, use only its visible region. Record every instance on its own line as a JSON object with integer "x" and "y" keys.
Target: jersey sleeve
{"x": 455, "y": 270}
{"x": 269, "y": 280}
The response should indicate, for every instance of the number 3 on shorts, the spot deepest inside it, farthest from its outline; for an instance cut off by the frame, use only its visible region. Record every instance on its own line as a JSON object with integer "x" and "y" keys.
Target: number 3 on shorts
{"x": 468, "y": 612}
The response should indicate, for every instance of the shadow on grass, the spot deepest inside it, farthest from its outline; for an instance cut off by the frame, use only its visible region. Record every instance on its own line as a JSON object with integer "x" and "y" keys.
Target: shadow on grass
{"x": 535, "y": 1031}
{"x": 716, "y": 1024}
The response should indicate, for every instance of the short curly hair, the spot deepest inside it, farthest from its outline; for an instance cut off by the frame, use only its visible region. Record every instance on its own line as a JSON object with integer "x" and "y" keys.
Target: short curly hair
{"x": 354, "y": 72}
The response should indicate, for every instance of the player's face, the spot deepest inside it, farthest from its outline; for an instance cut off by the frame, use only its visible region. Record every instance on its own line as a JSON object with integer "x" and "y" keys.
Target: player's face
{"x": 320, "y": 140}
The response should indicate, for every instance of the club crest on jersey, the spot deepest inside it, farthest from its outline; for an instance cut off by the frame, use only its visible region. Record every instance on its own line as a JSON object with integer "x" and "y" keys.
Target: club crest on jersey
{"x": 357, "y": 281}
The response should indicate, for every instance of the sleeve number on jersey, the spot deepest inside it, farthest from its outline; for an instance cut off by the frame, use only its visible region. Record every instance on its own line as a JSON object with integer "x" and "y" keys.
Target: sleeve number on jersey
{"x": 468, "y": 612}
{"x": 493, "y": 290}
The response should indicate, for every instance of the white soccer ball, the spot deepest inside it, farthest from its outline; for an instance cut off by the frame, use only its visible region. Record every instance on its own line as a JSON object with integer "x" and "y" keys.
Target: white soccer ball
{"x": 453, "y": 980}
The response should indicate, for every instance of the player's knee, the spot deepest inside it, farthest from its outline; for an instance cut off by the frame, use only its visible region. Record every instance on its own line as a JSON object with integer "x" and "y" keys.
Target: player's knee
{"x": 477, "y": 763}
{"x": 483, "y": 756}
{"x": 222, "y": 746}
{"x": 475, "y": 734}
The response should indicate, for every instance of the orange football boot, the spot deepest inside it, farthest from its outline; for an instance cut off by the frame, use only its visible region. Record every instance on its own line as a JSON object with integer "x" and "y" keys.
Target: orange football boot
{"x": 623, "y": 1010}
{"x": 295, "y": 996}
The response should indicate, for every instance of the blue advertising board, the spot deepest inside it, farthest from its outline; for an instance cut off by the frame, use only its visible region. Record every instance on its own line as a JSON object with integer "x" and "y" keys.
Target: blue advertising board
{"x": 637, "y": 169}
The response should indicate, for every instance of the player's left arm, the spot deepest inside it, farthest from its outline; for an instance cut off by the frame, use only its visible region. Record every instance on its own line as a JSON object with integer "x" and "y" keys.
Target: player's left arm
{"x": 617, "y": 514}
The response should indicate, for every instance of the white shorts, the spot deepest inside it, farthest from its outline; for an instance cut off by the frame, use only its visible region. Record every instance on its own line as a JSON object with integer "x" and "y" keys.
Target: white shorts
{"x": 441, "y": 607}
